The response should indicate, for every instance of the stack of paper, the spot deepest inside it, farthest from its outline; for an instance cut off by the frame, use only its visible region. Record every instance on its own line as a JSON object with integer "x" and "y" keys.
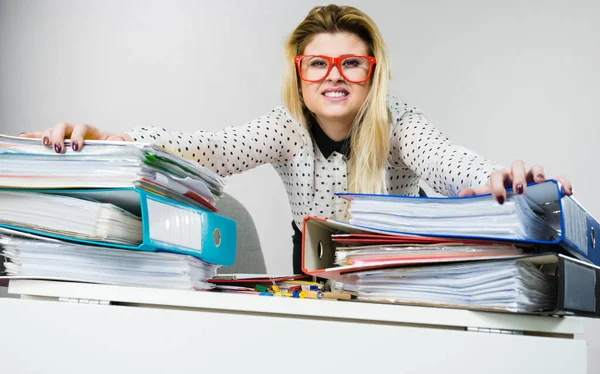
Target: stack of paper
{"x": 342, "y": 287}
{"x": 102, "y": 164}
{"x": 510, "y": 285}
{"x": 479, "y": 216}
{"x": 132, "y": 196}
{"x": 69, "y": 216}
{"x": 415, "y": 253}
{"x": 45, "y": 259}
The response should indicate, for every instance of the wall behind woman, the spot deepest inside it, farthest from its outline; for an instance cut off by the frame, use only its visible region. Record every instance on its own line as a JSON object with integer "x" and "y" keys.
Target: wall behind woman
{"x": 507, "y": 79}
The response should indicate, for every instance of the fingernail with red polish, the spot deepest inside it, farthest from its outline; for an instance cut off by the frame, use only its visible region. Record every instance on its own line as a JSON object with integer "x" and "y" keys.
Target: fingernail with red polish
{"x": 500, "y": 200}
{"x": 45, "y": 140}
{"x": 75, "y": 145}
{"x": 519, "y": 188}
{"x": 57, "y": 148}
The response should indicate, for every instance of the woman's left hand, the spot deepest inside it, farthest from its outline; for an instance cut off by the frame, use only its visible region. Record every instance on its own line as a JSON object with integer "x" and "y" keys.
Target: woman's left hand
{"x": 516, "y": 177}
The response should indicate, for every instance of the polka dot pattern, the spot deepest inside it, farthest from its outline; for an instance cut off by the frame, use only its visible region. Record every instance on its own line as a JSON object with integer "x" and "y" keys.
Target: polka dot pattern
{"x": 417, "y": 150}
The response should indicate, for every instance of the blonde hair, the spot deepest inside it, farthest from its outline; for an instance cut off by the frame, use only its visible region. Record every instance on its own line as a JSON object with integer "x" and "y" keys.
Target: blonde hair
{"x": 370, "y": 138}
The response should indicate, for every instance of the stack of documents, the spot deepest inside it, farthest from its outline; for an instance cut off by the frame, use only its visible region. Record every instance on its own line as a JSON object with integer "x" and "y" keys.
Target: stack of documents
{"x": 104, "y": 164}
{"x": 542, "y": 215}
{"x": 481, "y": 216}
{"x": 420, "y": 253}
{"x": 506, "y": 285}
{"x": 44, "y": 259}
{"x": 466, "y": 252}
{"x": 116, "y": 212}
{"x": 69, "y": 216}
{"x": 342, "y": 287}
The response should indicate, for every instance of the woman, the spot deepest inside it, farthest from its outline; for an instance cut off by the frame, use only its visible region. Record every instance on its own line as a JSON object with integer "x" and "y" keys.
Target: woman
{"x": 340, "y": 130}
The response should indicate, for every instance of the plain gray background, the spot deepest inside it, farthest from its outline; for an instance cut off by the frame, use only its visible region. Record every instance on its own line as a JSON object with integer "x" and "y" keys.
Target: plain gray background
{"x": 511, "y": 79}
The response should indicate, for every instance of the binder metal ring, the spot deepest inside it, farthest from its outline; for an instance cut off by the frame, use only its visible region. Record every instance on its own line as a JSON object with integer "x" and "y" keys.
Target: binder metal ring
{"x": 320, "y": 250}
{"x": 217, "y": 237}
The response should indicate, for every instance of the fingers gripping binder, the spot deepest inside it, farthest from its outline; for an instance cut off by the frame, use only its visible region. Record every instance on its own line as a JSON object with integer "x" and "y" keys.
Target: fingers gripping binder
{"x": 167, "y": 225}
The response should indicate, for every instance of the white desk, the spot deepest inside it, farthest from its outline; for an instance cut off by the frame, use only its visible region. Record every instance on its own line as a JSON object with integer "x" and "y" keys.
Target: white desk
{"x": 168, "y": 331}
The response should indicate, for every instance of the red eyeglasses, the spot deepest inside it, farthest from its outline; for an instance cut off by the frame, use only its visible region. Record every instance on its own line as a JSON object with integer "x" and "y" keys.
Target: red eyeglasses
{"x": 315, "y": 68}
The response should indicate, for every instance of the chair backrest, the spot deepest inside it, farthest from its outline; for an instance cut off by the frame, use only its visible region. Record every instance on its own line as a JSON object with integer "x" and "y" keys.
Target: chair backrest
{"x": 248, "y": 257}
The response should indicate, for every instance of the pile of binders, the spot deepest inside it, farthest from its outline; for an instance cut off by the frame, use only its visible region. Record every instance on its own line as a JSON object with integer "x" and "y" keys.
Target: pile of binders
{"x": 537, "y": 253}
{"x": 117, "y": 213}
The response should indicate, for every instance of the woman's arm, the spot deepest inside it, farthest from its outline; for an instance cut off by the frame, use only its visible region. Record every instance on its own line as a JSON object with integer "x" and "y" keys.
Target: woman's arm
{"x": 453, "y": 170}
{"x": 446, "y": 167}
{"x": 275, "y": 137}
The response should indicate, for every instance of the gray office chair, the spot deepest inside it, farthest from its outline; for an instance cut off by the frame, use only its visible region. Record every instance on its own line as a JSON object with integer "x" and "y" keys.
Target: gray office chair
{"x": 248, "y": 257}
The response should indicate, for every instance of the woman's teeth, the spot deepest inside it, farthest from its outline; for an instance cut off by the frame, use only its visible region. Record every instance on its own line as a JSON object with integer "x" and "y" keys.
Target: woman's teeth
{"x": 336, "y": 94}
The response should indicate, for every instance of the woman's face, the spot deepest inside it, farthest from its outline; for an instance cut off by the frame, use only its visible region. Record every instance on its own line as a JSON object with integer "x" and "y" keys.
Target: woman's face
{"x": 349, "y": 97}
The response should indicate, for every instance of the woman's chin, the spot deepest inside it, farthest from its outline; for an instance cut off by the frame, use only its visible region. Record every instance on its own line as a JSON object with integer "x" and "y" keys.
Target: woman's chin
{"x": 337, "y": 114}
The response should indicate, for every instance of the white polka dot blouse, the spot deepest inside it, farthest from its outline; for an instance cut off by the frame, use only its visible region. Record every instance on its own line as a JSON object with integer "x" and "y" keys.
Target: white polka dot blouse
{"x": 310, "y": 175}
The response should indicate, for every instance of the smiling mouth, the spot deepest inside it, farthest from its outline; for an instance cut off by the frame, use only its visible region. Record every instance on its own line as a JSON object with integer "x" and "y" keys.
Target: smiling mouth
{"x": 335, "y": 94}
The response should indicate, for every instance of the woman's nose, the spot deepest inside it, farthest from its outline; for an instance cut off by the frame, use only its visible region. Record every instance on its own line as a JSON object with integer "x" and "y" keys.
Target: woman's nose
{"x": 334, "y": 74}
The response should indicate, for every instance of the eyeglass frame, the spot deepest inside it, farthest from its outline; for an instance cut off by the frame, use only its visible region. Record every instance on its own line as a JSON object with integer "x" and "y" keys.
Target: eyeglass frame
{"x": 334, "y": 61}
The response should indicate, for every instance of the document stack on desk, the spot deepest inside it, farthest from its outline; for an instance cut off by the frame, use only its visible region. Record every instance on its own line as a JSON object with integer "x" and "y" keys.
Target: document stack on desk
{"x": 512, "y": 285}
{"x": 37, "y": 257}
{"x": 107, "y": 164}
{"x": 541, "y": 216}
{"x": 106, "y": 213}
{"x": 536, "y": 253}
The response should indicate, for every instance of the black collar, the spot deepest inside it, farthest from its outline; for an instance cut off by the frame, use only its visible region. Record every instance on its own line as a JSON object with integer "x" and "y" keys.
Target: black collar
{"x": 325, "y": 144}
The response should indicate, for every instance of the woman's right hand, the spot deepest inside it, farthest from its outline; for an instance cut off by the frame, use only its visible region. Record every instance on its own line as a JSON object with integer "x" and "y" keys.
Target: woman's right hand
{"x": 54, "y": 137}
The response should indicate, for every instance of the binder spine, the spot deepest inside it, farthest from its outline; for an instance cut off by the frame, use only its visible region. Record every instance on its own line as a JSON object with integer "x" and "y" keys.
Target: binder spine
{"x": 578, "y": 288}
{"x": 175, "y": 227}
{"x": 580, "y": 231}
{"x": 592, "y": 237}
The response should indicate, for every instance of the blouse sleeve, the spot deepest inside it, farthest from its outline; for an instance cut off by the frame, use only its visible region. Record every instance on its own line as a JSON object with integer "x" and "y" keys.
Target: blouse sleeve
{"x": 446, "y": 167}
{"x": 272, "y": 138}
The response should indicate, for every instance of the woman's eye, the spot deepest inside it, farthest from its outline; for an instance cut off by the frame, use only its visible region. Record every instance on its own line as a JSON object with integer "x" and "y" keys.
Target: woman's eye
{"x": 319, "y": 64}
{"x": 351, "y": 63}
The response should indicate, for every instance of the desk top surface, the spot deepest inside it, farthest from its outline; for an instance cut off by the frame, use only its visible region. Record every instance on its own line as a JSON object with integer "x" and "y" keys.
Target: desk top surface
{"x": 303, "y": 308}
